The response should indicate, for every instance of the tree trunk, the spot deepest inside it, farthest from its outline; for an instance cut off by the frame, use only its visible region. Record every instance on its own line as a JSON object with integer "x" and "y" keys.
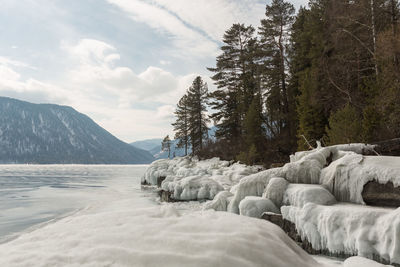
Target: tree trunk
{"x": 373, "y": 27}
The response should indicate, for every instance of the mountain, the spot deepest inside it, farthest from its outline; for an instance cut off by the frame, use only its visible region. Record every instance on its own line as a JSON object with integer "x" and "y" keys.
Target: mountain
{"x": 147, "y": 144}
{"x": 53, "y": 134}
{"x": 156, "y": 149}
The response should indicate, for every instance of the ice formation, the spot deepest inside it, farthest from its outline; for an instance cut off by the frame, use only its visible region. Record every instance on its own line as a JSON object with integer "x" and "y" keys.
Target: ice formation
{"x": 300, "y": 194}
{"x": 275, "y": 190}
{"x": 349, "y": 228}
{"x": 256, "y": 206}
{"x": 347, "y": 176}
{"x": 220, "y": 201}
{"x": 191, "y": 179}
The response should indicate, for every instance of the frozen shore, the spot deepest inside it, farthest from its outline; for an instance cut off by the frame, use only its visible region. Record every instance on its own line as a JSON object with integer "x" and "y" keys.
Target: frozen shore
{"x": 320, "y": 191}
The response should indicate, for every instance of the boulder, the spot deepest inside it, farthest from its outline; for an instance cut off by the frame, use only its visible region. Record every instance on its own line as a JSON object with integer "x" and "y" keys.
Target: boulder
{"x": 384, "y": 195}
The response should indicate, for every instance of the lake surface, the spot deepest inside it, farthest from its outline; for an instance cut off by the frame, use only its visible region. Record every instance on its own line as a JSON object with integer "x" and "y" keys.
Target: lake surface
{"x": 31, "y": 195}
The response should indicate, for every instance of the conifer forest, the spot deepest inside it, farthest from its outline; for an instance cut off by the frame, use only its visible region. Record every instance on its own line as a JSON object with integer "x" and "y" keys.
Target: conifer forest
{"x": 328, "y": 73}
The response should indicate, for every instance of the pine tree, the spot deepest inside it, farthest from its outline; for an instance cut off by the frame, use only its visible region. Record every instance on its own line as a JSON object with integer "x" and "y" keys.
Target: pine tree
{"x": 274, "y": 37}
{"x": 344, "y": 126}
{"x": 253, "y": 132}
{"x": 181, "y": 125}
{"x": 166, "y": 145}
{"x": 196, "y": 102}
{"x": 234, "y": 76}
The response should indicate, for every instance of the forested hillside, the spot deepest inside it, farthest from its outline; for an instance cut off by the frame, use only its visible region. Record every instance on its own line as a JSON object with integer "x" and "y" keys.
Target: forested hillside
{"x": 329, "y": 72}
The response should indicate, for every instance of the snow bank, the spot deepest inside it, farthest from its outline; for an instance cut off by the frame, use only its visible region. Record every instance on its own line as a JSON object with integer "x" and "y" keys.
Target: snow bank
{"x": 352, "y": 229}
{"x": 123, "y": 233}
{"x": 256, "y": 206}
{"x": 347, "y": 176}
{"x": 191, "y": 179}
{"x": 300, "y": 194}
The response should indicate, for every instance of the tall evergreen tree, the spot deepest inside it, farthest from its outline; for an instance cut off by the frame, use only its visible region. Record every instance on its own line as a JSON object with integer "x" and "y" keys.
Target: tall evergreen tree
{"x": 196, "y": 102}
{"x": 181, "y": 125}
{"x": 280, "y": 105}
{"x": 234, "y": 76}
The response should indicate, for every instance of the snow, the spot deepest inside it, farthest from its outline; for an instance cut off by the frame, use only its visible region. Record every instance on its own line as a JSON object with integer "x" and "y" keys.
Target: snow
{"x": 191, "y": 179}
{"x": 300, "y": 194}
{"x": 352, "y": 229}
{"x": 256, "y": 206}
{"x": 127, "y": 233}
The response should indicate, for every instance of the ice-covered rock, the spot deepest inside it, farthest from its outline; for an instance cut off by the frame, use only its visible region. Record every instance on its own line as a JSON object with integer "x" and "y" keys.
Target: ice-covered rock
{"x": 191, "y": 188}
{"x": 347, "y": 228}
{"x": 220, "y": 201}
{"x": 300, "y": 194}
{"x": 275, "y": 190}
{"x": 256, "y": 206}
{"x": 188, "y": 178}
{"x": 347, "y": 176}
{"x": 252, "y": 185}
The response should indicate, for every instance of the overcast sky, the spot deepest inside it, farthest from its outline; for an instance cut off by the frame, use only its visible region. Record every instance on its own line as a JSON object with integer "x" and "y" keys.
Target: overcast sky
{"x": 124, "y": 63}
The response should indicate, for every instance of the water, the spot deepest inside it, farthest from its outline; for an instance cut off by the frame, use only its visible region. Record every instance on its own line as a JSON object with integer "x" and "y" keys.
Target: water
{"x": 34, "y": 194}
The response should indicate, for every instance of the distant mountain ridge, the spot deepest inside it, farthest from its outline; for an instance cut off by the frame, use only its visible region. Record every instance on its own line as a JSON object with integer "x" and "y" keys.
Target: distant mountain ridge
{"x": 53, "y": 134}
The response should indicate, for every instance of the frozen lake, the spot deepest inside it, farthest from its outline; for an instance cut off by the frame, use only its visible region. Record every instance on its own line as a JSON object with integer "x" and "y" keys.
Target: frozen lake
{"x": 34, "y": 194}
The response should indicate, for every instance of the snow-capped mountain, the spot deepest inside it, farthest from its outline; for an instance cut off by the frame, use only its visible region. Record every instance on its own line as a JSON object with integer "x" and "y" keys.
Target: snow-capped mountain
{"x": 46, "y": 133}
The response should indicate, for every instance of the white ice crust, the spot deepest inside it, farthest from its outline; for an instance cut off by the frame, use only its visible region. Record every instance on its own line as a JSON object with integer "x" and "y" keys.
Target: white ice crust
{"x": 276, "y": 190}
{"x": 300, "y": 194}
{"x": 347, "y": 176}
{"x": 256, "y": 206}
{"x": 349, "y": 228}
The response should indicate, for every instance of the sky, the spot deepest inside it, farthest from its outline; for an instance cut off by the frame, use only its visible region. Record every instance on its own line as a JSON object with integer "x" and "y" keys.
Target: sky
{"x": 124, "y": 63}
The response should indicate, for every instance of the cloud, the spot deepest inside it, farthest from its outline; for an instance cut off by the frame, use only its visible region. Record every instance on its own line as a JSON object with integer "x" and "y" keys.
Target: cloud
{"x": 187, "y": 41}
{"x": 213, "y": 18}
{"x": 13, "y": 85}
{"x": 165, "y": 112}
{"x": 97, "y": 70}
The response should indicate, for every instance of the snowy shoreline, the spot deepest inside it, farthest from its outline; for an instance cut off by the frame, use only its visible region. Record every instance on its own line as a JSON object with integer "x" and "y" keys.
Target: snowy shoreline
{"x": 320, "y": 191}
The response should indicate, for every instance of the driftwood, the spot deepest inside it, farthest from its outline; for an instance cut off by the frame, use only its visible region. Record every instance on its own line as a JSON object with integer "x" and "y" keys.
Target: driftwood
{"x": 388, "y": 147}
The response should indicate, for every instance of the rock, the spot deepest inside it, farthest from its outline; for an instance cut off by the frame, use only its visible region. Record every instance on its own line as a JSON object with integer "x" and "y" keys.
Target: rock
{"x": 275, "y": 190}
{"x": 376, "y": 194}
{"x": 290, "y": 229}
{"x": 166, "y": 196}
{"x": 252, "y": 206}
{"x": 160, "y": 179}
